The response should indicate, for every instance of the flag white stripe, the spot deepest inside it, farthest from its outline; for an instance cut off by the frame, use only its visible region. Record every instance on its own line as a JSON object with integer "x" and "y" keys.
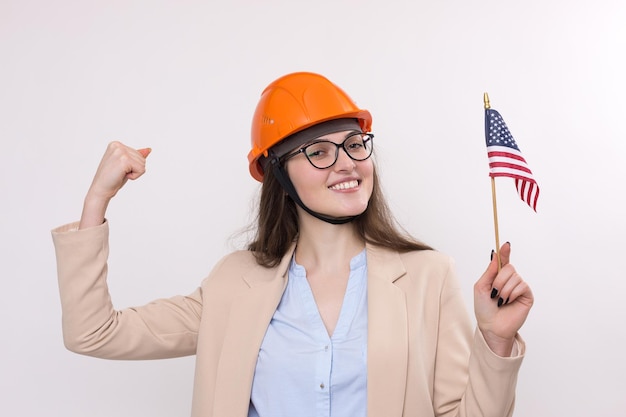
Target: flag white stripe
{"x": 506, "y": 160}
{"x": 495, "y": 148}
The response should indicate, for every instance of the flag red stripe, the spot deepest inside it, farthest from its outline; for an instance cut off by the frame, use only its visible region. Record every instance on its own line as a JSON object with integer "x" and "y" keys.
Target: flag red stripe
{"x": 509, "y": 175}
{"x": 535, "y": 200}
{"x": 509, "y": 165}
{"x": 505, "y": 155}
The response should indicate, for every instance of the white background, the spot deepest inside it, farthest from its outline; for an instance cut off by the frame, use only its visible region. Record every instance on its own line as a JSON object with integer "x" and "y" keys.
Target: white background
{"x": 183, "y": 77}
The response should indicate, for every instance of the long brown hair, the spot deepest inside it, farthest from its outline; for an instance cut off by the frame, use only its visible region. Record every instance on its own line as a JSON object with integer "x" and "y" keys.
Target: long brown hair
{"x": 277, "y": 224}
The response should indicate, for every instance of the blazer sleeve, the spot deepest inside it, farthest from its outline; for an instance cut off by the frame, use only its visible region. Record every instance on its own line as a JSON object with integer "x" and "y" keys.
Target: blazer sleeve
{"x": 164, "y": 328}
{"x": 488, "y": 384}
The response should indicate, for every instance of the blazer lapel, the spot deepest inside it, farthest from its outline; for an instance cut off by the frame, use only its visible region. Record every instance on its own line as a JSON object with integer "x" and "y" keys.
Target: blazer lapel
{"x": 387, "y": 351}
{"x": 249, "y": 318}
{"x": 387, "y": 336}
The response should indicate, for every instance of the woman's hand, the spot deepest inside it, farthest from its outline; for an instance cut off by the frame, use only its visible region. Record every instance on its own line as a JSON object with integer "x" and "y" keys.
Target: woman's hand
{"x": 502, "y": 301}
{"x": 118, "y": 165}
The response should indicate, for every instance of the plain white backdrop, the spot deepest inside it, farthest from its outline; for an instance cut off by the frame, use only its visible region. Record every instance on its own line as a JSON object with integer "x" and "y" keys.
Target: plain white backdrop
{"x": 183, "y": 77}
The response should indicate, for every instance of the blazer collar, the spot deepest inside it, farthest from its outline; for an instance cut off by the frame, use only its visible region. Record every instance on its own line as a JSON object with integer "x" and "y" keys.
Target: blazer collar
{"x": 387, "y": 335}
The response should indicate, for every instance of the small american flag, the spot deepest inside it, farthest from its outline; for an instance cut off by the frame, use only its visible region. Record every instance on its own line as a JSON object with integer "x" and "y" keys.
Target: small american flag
{"x": 506, "y": 160}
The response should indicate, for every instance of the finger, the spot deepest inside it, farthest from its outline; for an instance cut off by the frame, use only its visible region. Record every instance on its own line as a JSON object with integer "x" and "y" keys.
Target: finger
{"x": 521, "y": 292}
{"x": 505, "y": 282}
{"x": 504, "y": 275}
{"x": 136, "y": 169}
{"x": 144, "y": 152}
{"x": 137, "y": 164}
{"x": 505, "y": 253}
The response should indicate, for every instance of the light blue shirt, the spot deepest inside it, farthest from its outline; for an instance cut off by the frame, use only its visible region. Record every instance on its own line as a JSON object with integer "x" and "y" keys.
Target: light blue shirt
{"x": 303, "y": 372}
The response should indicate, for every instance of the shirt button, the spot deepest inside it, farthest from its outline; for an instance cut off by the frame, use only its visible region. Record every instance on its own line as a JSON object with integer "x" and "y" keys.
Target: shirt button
{"x": 322, "y": 385}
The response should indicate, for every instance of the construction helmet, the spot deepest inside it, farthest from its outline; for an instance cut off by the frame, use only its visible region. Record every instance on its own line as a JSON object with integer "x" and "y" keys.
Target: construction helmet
{"x": 295, "y": 102}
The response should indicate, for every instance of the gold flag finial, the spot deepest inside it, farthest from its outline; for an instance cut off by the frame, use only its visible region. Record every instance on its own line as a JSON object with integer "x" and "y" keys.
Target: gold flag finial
{"x": 486, "y": 100}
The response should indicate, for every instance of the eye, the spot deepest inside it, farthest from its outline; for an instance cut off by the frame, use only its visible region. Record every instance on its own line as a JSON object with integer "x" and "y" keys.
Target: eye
{"x": 313, "y": 153}
{"x": 318, "y": 150}
{"x": 354, "y": 142}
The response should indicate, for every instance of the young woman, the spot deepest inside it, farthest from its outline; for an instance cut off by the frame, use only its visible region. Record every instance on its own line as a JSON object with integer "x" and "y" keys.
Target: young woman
{"x": 331, "y": 311}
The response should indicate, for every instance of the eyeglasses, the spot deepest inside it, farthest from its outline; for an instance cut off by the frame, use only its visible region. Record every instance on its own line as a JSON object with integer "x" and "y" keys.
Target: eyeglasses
{"x": 323, "y": 154}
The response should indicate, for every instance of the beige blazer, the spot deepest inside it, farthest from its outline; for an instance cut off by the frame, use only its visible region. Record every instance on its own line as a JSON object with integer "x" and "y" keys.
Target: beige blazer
{"x": 423, "y": 359}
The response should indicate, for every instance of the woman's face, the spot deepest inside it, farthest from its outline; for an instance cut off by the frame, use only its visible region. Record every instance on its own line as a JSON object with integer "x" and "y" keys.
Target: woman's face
{"x": 343, "y": 189}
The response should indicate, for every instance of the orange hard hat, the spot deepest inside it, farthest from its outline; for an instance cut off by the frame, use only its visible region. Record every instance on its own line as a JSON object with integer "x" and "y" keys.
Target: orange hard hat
{"x": 295, "y": 102}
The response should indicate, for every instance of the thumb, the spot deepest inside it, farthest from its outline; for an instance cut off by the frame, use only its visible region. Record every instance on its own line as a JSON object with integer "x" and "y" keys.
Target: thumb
{"x": 144, "y": 152}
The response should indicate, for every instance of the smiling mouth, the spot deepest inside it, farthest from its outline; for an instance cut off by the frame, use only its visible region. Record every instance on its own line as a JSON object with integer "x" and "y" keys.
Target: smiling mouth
{"x": 345, "y": 185}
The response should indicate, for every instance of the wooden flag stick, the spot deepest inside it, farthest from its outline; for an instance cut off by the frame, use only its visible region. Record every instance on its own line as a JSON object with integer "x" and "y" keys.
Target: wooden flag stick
{"x": 493, "y": 198}
{"x": 495, "y": 219}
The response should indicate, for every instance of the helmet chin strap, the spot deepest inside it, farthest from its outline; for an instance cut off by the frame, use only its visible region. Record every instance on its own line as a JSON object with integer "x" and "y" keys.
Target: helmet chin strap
{"x": 283, "y": 179}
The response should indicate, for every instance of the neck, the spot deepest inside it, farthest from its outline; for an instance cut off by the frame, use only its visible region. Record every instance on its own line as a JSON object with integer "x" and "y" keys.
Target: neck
{"x": 321, "y": 243}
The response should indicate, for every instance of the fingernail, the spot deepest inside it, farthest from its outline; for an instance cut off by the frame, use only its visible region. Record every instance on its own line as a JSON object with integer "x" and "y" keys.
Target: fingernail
{"x": 500, "y": 302}
{"x": 507, "y": 300}
{"x": 508, "y": 243}
{"x": 494, "y": 292}
{"x": 492, "y": 252}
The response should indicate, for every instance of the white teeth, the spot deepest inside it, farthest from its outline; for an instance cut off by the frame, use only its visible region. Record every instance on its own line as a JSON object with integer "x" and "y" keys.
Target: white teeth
{"x": 345, "y": 185}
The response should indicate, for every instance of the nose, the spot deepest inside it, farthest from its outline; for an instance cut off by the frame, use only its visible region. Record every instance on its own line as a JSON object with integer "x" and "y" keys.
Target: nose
{"x": 344, "y": 162}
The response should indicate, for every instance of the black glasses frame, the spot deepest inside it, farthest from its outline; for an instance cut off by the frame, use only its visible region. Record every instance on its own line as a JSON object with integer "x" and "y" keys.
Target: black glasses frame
{"x": 367, "y": 137}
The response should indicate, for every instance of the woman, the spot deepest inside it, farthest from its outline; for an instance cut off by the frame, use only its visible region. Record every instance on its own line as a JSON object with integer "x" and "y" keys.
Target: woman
{"x": 332, "y": 310}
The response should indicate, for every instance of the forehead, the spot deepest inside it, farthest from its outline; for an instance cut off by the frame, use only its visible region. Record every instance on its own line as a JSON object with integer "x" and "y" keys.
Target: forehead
{"x": 335, "y": 136}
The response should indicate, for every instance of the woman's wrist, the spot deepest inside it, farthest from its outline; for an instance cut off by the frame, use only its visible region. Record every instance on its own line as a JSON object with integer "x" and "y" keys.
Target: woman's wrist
{"x": 94, "y": 210}
{"x": 499, "y": 345}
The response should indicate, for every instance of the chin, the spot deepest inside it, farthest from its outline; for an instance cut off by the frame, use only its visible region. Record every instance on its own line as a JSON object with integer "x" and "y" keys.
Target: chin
{"x": 355, "y": 211}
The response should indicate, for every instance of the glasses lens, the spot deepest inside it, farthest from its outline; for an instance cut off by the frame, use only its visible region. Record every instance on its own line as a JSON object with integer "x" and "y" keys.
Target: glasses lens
{"x": 359, "y": 147}
{"x": 321, "y": 154}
